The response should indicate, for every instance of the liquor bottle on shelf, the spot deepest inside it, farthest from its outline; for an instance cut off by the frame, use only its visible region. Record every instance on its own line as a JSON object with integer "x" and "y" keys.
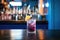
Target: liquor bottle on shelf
{"x": 20, "y": 14}
{"x": 2, "y": 16}
{"x": 7, "y": 14}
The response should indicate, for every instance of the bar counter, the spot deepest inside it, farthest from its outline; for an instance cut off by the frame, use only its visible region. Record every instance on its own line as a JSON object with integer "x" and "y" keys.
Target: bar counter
{"x": 21, "y": 24}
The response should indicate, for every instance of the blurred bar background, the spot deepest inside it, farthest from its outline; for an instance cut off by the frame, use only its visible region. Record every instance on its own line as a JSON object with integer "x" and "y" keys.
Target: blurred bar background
{"x": 35, "y": 8}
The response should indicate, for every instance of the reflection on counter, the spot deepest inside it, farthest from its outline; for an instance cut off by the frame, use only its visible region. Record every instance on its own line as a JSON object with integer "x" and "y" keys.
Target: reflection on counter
{"x": 18, "y": 34}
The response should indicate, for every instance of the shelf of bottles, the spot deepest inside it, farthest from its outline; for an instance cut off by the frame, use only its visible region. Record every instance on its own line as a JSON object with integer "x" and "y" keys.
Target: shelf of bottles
{"x": 16, "y": 13}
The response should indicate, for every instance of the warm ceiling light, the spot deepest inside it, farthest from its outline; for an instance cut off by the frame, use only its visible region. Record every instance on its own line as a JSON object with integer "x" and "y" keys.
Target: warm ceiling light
{"x": 16, "y": 3}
